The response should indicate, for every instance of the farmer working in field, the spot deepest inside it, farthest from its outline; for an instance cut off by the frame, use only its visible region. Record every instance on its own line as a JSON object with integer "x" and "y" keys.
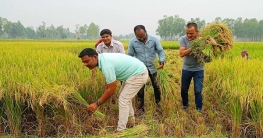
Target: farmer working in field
{"x": 116, "y": 66}
{"x": 144, "y": 47}
{"x": 191, "y": 67}
{"x": 244, "y": 54}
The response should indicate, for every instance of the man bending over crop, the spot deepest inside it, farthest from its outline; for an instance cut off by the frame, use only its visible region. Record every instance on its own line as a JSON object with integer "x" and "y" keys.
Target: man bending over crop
{"x": 115, "y": 66}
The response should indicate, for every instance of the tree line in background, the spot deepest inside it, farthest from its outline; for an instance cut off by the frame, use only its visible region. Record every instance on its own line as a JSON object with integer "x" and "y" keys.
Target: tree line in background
{"x": 16, "y": 30}
{"x": 169, "y": 28}
{"x": 172, "y": 27}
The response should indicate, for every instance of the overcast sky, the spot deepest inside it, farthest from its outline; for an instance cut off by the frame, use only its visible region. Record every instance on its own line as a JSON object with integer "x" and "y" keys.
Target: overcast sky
{"x": 120, "y": 16}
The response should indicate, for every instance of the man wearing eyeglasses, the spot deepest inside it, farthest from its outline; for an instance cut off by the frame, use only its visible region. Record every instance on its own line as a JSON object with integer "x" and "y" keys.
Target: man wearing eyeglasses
{"x": 144, "y": 47}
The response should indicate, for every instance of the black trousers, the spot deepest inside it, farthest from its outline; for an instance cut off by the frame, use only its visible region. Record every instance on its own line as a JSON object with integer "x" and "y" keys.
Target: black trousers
{"x": 157, "y": 91}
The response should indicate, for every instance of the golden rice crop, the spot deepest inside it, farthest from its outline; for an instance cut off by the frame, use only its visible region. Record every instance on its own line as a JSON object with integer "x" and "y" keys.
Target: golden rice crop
{"x": 203, "y": 49}
{"x": 39, "y": 79}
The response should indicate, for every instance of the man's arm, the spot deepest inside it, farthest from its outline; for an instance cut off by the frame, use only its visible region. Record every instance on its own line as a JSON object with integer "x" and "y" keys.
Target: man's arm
{"x": 131, "y": 49}
{"x": 110, "y": 89}
{"x": 183, "y": 51}
{"x": 214, "y": 44}
{"x": 160, "y": 52}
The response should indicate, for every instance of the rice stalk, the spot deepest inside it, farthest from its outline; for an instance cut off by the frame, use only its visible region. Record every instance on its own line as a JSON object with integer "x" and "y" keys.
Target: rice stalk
{"x": 166, "y": 84}
{"x": 203, "y": 50}
{"x": 13, "y": 113}
{"x": 221, "y": 33}
{"x": 78, "y": 98}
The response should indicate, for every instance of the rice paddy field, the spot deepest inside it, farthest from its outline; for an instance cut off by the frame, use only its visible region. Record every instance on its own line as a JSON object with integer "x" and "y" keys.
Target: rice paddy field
{"x": 44, "y": 89}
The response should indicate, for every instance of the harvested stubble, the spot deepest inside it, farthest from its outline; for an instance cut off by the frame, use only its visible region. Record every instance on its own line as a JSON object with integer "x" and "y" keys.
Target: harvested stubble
{"x": 203, "y": 50}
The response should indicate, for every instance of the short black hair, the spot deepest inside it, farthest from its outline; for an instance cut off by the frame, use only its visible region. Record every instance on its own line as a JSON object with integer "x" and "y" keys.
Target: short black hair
{"x": 192, "y": 24}
{"x": 88, "y": 51}
{"x": 138, "y": 27}
{"x": 105, "y": 31}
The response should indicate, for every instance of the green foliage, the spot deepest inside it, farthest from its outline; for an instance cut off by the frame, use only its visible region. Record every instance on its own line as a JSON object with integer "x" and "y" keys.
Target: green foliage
{"x": 170, "y": 28}
{"x": 93, "y": 31}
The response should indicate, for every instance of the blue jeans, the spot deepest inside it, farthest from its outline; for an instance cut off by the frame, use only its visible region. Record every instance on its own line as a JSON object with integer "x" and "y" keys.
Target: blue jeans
{"x": 198, "y": 86}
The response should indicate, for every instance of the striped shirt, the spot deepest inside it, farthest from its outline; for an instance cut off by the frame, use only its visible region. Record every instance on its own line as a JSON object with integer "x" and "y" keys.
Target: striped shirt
{"x": 115, "y": 47}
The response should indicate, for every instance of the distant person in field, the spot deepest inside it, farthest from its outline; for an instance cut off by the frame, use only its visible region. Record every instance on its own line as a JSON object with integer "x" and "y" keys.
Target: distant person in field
{"x": 191, "y": 67}
{"x": 244, "y": 54}
{"x": 145, "y": 47}
{"x": 116, "y": 66}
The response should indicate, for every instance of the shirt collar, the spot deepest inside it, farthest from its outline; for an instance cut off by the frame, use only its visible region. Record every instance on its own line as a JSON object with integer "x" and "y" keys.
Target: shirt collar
{"x": 111, "y": 44}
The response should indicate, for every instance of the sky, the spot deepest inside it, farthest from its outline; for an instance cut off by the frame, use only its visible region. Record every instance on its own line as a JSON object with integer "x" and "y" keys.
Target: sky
{"x": 120, "y": 16}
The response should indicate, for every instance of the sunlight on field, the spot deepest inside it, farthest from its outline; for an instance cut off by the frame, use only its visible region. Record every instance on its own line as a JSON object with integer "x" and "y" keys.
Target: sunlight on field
{"x": 39, "y": 78}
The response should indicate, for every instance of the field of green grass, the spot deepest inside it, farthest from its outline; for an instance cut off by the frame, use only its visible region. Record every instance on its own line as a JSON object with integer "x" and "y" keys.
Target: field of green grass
{"x": 40, "y": 83}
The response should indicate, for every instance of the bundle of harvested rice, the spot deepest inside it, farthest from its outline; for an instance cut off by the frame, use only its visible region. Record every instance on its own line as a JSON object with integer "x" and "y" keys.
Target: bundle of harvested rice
{"x": 137, "y": 131}
{"x": 166, "y": 83}
{"x": 203, "y": 49}
{"x": 78, "y": 98}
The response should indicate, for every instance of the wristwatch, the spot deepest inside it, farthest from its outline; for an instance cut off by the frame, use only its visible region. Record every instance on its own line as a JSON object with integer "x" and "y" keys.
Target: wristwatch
{"x": 99, "y": 103}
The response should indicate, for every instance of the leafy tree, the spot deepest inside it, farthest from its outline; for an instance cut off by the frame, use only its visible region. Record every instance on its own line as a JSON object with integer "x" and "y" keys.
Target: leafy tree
{"x": 230, "y": 23}
{"x": 170, "y": 28}
{"x": 41, "y": 30}
{"x": 7, "y": 25}
{"x": 260, "y": 30}
{"x": 200, "y": 23}
{"x": 1, "y": 27}
{"x": 93, "y": 31}
{"x": 61, "y": 32}
{"x": 30, "y": 32}
{"x": 17, "y": 30}
{"x": 51, "y": 32}
{"x": 238, "y": 27}
{"x": 218, "y": 19}
{"x": 83, "y": 29}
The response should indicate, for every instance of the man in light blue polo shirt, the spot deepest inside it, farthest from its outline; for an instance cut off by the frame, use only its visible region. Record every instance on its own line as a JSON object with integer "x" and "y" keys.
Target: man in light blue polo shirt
{"x": 145, "y": 47}
{"x": 117, "y": 66}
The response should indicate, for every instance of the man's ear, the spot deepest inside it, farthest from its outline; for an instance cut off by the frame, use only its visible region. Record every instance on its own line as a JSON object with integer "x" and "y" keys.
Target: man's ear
{"x": 95, "y": 57}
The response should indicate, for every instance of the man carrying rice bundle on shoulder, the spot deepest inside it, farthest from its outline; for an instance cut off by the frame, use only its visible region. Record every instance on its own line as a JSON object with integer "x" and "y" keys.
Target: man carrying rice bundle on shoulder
{"x": 191, "y": 67}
